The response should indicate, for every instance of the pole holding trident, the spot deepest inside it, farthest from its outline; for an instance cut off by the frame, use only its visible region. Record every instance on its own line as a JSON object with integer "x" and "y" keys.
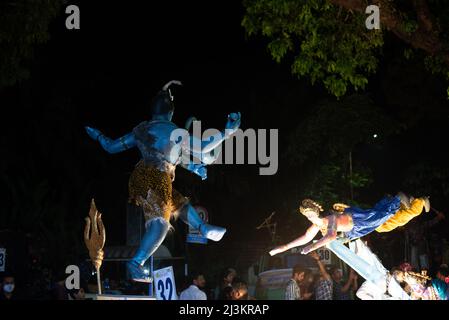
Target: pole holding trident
{"x": 95, "y": 242}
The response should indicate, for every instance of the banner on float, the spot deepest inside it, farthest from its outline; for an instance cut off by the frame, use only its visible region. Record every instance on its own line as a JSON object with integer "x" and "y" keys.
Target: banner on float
{"x": 194, "y": 235}
{"x": 196, "y": 238}
{"x": 164, "y": 283}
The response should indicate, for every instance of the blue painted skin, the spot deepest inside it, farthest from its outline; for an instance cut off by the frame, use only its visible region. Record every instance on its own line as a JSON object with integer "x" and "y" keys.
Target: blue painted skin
{"x": 160, "y": 149}
{"x": 163, "y": 127}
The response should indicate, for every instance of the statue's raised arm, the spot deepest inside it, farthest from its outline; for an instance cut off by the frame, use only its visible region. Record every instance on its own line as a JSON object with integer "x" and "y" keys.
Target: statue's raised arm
{"x": 202, "y": 149}
{"x": 150, "y": 183}
{"x": 112, "y": 146}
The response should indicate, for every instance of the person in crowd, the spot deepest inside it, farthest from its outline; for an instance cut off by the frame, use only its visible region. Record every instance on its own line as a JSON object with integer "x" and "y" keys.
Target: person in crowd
{"x": 323, "y": 285}
{"x": 419, "y": 232}
{"x": 240, "y": 291}
{"x": 77, "y": 294}
{"x": 355, "y": 285}
{"x": 441, "y": 282}
{"x": 342, "y": 291}
{"x": 226, "y": 279}
{"x": 8, "y": 288}
{"x": 293, "y": 291}
{"x": 445, "y": 251}
{"x": 59, "y": 289}
{"x": 227, "y": 293}
{"x": 307, "y": 286}
{"x": 195, "y": 290}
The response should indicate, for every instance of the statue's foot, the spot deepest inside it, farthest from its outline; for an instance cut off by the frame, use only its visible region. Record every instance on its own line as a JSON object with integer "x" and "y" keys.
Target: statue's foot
{"x": 404, "y": 199}
{"x": 211, "y": 232}
{"x": 137, "y": 272}
{"x": 426, "y": 204}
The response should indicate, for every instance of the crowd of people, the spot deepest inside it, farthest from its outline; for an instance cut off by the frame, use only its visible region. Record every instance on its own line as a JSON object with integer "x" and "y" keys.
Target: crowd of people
{"x": 9, "y": 292}
{"x": 230, "y": 287}
{"x": 325, "y": 282}
{"x": 328, "y": 284}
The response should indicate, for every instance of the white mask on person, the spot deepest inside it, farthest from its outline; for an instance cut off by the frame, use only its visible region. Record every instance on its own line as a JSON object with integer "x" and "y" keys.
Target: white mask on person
{"x": 8, "y": 288}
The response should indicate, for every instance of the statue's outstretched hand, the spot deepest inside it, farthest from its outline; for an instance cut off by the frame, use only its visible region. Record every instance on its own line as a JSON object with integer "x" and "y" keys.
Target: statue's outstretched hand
{"x": 197, "y": 168}
{"x": 306, "y": 250}
{"x": 93, "y": 133}
{"x": 275, "y": 251}
{"x": 201, "y": 171}
{"x": 234, "y": 120}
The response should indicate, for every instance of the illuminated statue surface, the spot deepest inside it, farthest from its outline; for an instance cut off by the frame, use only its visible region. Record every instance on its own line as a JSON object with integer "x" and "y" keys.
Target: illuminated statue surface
{"x": 380, "y": 284}
{"x": 150, "y": 184}
{"x": 352, "y": 223}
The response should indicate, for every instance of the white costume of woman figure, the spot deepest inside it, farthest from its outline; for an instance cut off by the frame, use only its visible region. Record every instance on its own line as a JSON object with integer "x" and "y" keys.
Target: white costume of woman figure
{"x": 379, "y": 284}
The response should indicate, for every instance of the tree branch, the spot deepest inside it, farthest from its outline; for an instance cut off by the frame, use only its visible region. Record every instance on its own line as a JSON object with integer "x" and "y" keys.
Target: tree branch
{"x": 423, "y": 14}
{"x": 425, "y": 37}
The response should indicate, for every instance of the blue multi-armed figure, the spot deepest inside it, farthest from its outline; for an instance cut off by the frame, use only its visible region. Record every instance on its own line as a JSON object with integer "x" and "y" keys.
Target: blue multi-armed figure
{"x": 150, "y": 184}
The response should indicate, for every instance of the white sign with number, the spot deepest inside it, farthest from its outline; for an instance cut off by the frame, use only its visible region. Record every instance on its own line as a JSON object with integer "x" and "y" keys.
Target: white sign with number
{"x": 325, "y": 255}
{"x": 2, "y": 259}
{"x": 164, "y": 283}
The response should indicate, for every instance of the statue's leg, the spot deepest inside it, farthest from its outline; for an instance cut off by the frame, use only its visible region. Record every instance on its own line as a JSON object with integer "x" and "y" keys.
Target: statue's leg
{"x": 359, "y": 265}
{"x": 156, "y": 230}
{"x": 404, "y": 215}
{"x": 366, "y": 264}
{"x": 150, "y": 189}
{"x": 189, "y": 215}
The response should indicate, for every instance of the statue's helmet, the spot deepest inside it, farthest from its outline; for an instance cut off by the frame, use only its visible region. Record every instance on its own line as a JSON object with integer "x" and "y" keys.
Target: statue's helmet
{"x": 163, "y": 102}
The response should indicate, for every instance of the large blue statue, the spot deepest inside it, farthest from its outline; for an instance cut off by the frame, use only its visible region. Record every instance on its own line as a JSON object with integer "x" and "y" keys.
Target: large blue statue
{"x": 150, "y": 184}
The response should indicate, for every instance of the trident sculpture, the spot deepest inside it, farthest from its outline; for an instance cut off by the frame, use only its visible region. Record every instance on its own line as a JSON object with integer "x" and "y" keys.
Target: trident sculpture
{"x": 95, "y": 242}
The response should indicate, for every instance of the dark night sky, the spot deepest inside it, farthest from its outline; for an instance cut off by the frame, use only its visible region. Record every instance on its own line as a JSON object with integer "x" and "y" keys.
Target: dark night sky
{"x": 107, "y": 72}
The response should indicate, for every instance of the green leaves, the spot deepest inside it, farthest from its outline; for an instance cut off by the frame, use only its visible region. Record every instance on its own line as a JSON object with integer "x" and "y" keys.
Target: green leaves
{"x": 319, "y": 146}
{"x": 23, "y": 26}
{"x": 280, "y": 47}
{"x": 410, "y": 26}
{"x": 334, "y": 128}
{"x": 333, "y": 49}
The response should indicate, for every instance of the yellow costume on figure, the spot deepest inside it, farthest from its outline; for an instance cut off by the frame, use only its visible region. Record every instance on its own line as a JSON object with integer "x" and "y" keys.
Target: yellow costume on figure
{"x": 163, "y": 201}
{"x": 403, "y": 215}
